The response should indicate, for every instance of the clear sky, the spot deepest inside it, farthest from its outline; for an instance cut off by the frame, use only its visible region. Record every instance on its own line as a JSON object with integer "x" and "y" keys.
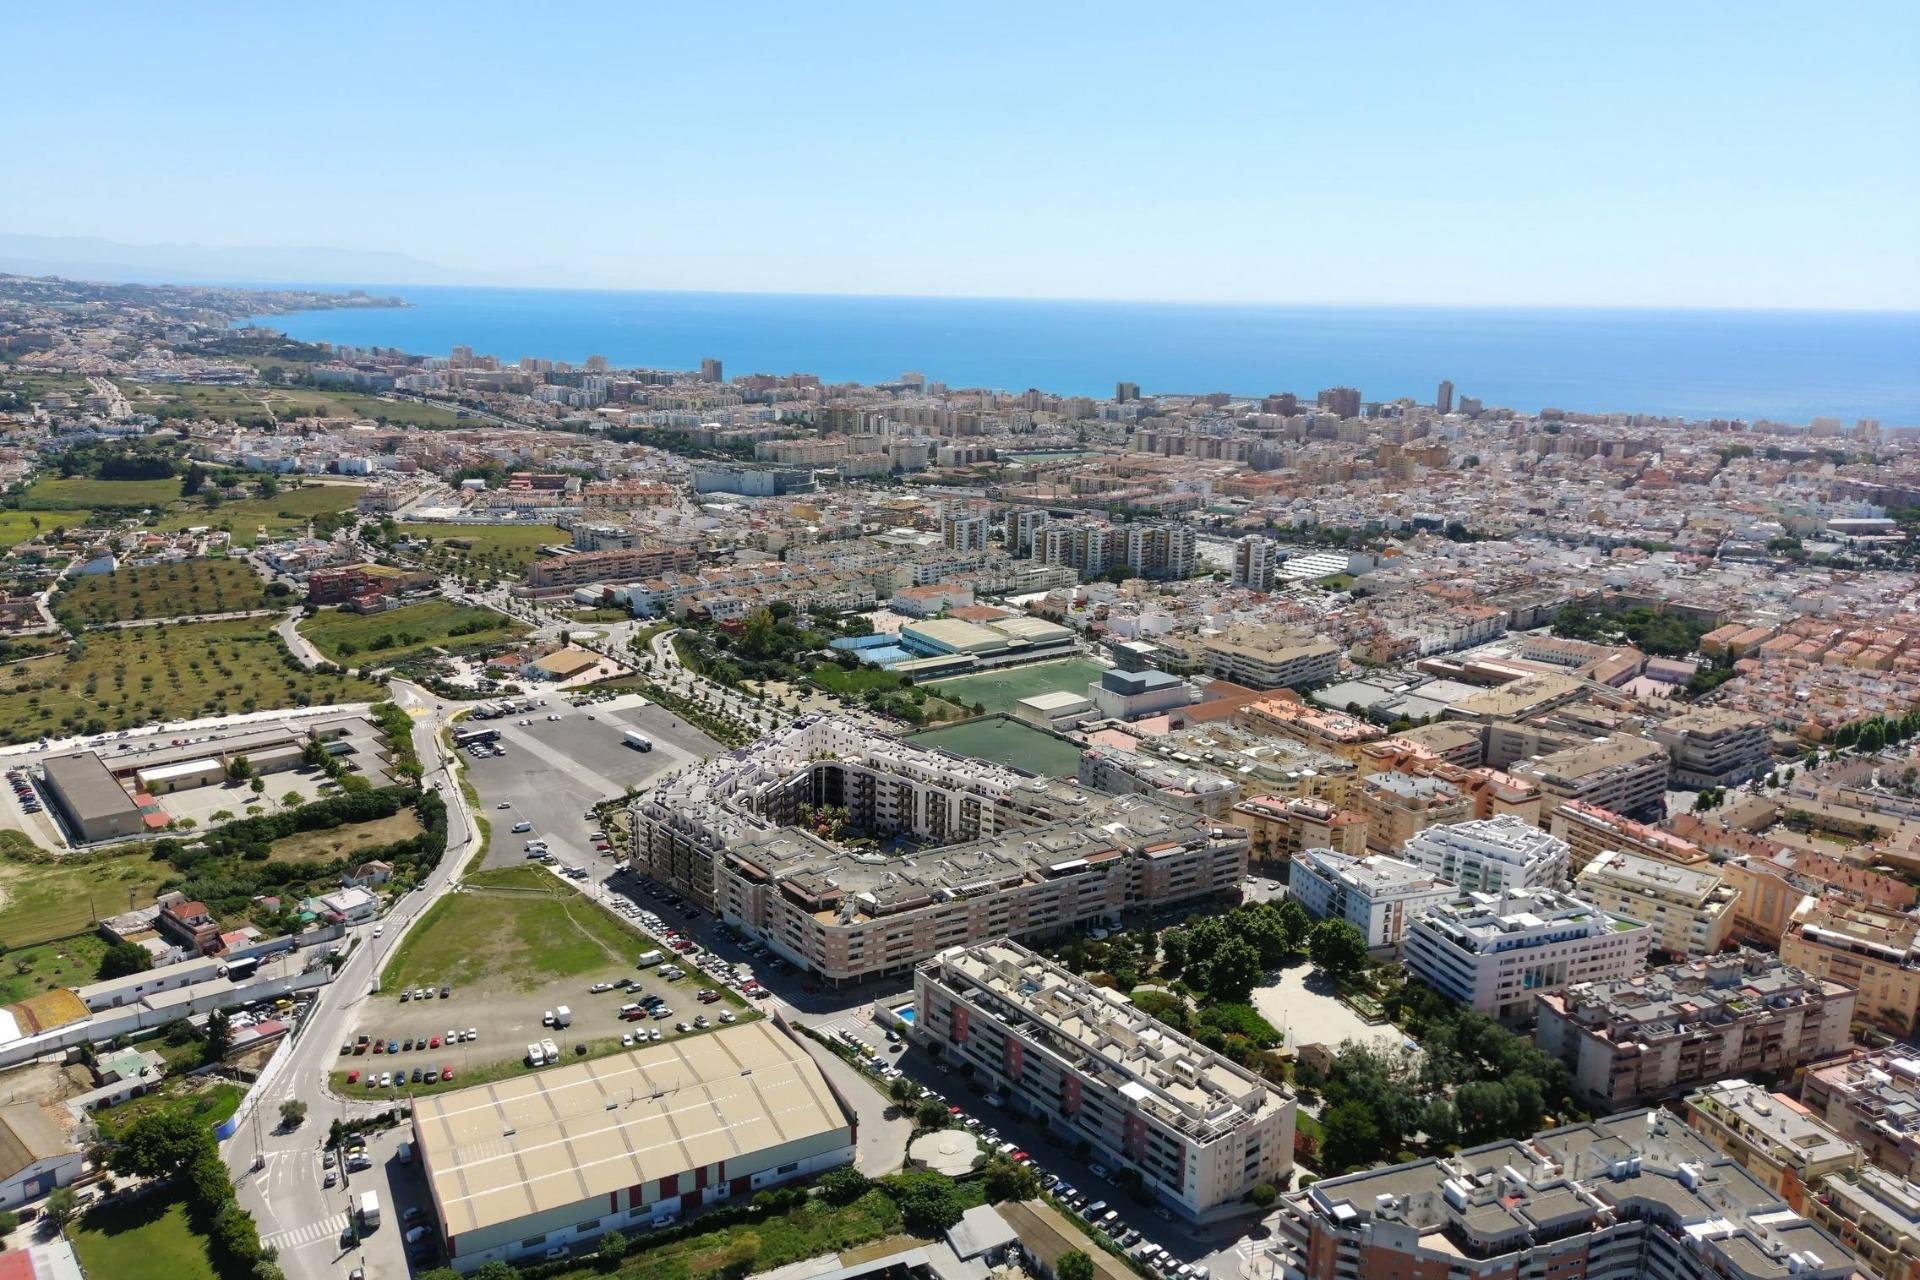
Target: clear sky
{"x": 1702, "y": 154}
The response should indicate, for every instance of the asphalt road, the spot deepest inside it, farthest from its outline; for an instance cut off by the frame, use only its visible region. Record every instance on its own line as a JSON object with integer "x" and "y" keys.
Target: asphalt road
{"x": 286, "y": 1196}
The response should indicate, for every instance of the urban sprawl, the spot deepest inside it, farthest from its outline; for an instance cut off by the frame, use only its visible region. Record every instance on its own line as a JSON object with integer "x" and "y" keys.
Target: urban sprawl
{"x": 553, "y": 819}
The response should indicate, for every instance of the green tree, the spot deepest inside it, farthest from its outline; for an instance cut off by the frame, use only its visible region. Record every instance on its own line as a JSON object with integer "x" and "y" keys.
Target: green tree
{"x": 1352, "y": 1135}
{"x": 496, "y": 1270}
{"x": 61, "y": 1205}
{"x": 1006, "y": 1180}
{"x": 1263, "y": 1195}
{"x": 160, "y": 1144}
{"x": 929, "y": 1203}
{"x": 1295, "y": 920}
{"x": 1338, "y": 949}
{"x": 932, "y": 1114}
{"x": 219, "y": 1037}
{"x": 612, "y": 1248}
{"x": 1234, "y": 969}
{"x": 239, "y": 769}
{"x": 292, "y": 1113}
{"x": 844, "y": 1185}
{"x": 123, "y": 958}
{"x": 1073, "y": 1265}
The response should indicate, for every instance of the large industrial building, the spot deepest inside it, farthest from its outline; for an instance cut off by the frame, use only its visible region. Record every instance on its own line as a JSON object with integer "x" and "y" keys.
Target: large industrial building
{"x": 1201, "y": 1131}
{"x": 1636, "y": 1196}
{"x": 90, "y": 800}
{"x": 995, "y": 851}
{"x": 560, "y": 1157}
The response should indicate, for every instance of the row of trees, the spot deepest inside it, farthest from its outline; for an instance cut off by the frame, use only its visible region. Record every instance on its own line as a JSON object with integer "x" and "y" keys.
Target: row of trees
{"x": 174, "y": 1145}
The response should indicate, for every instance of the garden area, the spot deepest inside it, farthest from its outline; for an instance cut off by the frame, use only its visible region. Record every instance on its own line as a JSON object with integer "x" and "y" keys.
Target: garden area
{"x": 147, "y": 1239}
{"x": 163, "y": 591}
{"x": 111, "y": 680}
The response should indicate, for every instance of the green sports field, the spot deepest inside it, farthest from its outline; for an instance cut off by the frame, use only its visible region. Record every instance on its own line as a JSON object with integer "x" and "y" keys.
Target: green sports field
{"x": 1000, "y": 690}
{"x": 1005, "y": 740}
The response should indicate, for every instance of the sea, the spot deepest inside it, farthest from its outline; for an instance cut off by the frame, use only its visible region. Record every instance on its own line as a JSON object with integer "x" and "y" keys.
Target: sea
{"x": 1786, "y": 366}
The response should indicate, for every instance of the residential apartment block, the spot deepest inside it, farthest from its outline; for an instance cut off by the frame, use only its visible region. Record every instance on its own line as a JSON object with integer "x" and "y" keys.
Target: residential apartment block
{"x": 1589, "y": 830}
{"x": 1877, "y": 1215}
{"x": 1278, "y": 829}
{"x": 1201, "y": 1131}
{"x": 610, "y": 566}
{"x": 1872, "y": 1097}
{"x": 1690, "y": 908}
{"x": 1268, "y": 659}
{"x": 1623, "y": 773}
{"x": 1377, "y": 895}
{"x": 1738, "y": 1014}
{"x": 1772, "y": 1136}
{"x": 1490, "y": 855}
{"x": 1010, "y": 854}
{"x": 1711, "y": 747}
{"x": 1636, "y": 1196}
{"x": 1399, "y": 806}
{"x": 1499, "y": 951}
{"x": 1876, "y": 952}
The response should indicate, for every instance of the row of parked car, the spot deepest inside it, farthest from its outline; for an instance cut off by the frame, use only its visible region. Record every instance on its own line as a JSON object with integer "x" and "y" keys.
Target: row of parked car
{"x": 23, "y": 790}
{"x": 453, "y": 1036}
{"x": 387, "y": 1079}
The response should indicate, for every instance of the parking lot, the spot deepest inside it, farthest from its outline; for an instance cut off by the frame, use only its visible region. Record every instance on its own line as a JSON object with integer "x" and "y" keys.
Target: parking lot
{"x": 557, "y": 760}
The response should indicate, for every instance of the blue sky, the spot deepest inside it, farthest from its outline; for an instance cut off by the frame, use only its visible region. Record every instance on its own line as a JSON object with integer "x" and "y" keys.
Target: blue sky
{"x": 1738, "y": 155}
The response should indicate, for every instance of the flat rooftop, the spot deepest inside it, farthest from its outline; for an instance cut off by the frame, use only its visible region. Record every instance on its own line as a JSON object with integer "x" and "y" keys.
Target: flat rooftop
{"x": 496, "y": 1153}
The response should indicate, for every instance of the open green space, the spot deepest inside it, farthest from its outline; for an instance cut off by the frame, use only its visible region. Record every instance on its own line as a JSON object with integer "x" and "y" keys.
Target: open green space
{"x": 508, "y": 548}
{"x": 147, "y": 1239}
{"x": 247, "y": 404}
{"x": 333, "y": 843}
{"x": 254, "y": 520}
{"x": 1005, "y": 740}
{"x": 70, "y": 962}
{"x": 118, "y": 679}
{"x": 39, "y": 901}
{"x": 1001, "y": 690}
{"x": 162, "y": 591}
{"x": 211, "y": 1105}
{"x": 20, "y": 526}
{"x": 351, "y": 637}
{"x": 66, "y": 493}
{"x": 518, "y": 928}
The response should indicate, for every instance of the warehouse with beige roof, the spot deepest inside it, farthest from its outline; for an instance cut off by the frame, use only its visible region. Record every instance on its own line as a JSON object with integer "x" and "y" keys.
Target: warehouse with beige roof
{"x": 630, "y": 1141}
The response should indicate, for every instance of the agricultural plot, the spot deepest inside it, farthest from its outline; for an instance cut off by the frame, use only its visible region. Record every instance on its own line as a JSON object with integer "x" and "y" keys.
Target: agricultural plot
{"x": 500, "y": 550}
{"x": 176, "y": 590}
{"x": 349, "y": 637}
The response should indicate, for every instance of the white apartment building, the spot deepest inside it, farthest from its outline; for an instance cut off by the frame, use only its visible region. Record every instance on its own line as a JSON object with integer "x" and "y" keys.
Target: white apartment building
{"x": 1377, "y": 895}
{"x": 1690, "y": 908}
{"x": 1491, "y": 855}
{"x": 1201, "y": 1131}
{"x": 1496, "y": 952}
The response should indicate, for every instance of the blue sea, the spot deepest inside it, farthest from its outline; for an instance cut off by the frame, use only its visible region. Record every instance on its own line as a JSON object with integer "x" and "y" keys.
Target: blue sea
{"x": 1789, "y": 366}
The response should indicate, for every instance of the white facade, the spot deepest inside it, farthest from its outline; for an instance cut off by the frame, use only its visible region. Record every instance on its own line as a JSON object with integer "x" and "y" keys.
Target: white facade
{"x": 1491, "y": 855}
{"x": 1497, "y": 952}
{"x": 1377, "y": 895}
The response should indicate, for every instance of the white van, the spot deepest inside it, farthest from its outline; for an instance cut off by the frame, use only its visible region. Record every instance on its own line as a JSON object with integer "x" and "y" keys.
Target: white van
{"x": 522, "y": 826}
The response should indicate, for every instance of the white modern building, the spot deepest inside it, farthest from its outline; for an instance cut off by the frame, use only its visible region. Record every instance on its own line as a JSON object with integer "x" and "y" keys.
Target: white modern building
{"x": 1201, "y": 1131}
{"x": 1491, "y": 855}
{"x": 1496, "y": 952}
{"x": 1377, "y": 894}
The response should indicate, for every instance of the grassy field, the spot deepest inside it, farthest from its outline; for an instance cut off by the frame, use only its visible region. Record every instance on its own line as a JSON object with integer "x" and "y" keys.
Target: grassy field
{"x": 285, "y": 514}
{"x": 1000, "y": 690}
{"x": 516, "y": 924}
{"x": 211, "y": 1105}
{"x": 147, "y": 1240}
{"x": 39, "y": 901}
{"x": 248, "y": 403}
{"x": 18, "y": 526}
{"x": 71, "y": 962}
{"x": 340, "y": 842}
{"x": 55, "y": 493}
{"x": 499, "y": 548}
{"x": 163, "y": 591}
{"x": 171, "y": 671}
{"x": 353, "y": 637}
{"x": 1005, "y": 741}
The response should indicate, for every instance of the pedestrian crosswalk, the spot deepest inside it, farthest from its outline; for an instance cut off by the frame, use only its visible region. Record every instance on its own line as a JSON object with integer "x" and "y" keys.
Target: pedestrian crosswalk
{"x": 328, "y": 1228}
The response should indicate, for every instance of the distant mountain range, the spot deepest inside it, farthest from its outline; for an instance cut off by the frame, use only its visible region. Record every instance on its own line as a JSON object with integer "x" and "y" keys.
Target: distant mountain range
{"x": 89, "y": 258}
